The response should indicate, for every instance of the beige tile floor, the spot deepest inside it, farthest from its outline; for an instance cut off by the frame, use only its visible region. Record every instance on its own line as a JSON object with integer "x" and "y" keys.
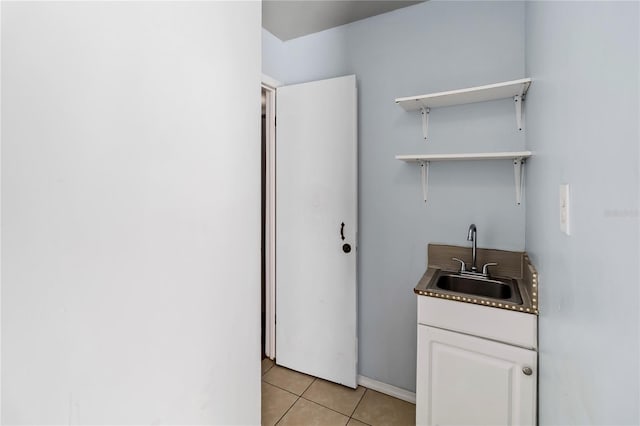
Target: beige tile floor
{"x": 294, "y": 399}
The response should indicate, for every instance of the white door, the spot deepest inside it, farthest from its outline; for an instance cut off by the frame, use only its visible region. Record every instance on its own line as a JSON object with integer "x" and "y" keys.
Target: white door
{"x": 316, "y": 228}
{"x": 466, "y": 380}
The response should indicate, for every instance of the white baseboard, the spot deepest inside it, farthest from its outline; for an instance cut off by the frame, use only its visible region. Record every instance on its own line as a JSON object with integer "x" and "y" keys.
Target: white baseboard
{"x": 385, "y": 388}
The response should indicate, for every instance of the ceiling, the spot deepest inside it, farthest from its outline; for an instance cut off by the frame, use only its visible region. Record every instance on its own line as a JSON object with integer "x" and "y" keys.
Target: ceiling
{"x": 295, "y": 18}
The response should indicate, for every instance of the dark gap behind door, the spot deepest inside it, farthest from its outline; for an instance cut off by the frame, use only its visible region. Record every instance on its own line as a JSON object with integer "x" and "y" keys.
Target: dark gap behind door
{"x": 263, "y": 207}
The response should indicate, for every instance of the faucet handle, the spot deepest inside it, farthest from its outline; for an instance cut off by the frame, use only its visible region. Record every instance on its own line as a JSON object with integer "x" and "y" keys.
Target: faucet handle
{"x": 485, "y": 268}
{"x": 463, "y": 266}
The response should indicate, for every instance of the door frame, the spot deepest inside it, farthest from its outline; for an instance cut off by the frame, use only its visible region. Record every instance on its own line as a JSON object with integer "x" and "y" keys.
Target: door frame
{"x": 270, "y": 85}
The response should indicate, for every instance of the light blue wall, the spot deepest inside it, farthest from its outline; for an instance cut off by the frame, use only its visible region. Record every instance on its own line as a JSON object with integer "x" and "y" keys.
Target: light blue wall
{"x": 274, "y": 59}
{"x": 429, "y": 47}
{"x": 582, "y": 117}
{"x": 319, "y": 56}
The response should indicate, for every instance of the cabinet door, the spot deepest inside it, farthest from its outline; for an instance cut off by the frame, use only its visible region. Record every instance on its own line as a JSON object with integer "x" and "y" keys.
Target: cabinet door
{"x": 466, "y": 380}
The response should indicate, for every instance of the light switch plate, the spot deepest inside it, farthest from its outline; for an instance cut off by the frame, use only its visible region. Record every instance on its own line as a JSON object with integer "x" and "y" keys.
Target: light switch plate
{"x": 564, "y": 208}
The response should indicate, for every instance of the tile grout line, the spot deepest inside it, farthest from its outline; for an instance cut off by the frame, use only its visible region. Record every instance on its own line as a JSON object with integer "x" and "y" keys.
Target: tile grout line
{"x": 294, "y": 402}
{"x": 279, "y": 387}
{"x": 301, "y": 396}
{"x": 356, "y": 407}
{"x": 358, "y": 404}
{"x": 308, "y": 399}
{"x": 288, "y": 409}
{"x": 286, "y": 390}
{"x": 298, "y": 397}
{"x": 359, "y": 421}
{"x": 307, "y": 388}
{"x": 329, "y": 408}
{"x": 273, "y": 364}
{"x": 324, "y": 406}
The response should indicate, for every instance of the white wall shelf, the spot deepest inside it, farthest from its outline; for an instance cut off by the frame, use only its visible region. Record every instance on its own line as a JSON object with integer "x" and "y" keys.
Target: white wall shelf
{"x": 464, "y": 156}
{"x": 515, "y": 89}
{"x": 518, "y": 158}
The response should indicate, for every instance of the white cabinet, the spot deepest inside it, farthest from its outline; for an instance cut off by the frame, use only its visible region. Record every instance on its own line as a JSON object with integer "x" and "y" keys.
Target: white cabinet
{"x": 467, "y": 380}
{"x": 477, "y": 365}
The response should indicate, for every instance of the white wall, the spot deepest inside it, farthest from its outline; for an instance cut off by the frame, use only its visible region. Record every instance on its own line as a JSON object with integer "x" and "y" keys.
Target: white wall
{"x": 432, "y": 46}
{"x": 582, "y": 119}
{"x": 130, "y": 213}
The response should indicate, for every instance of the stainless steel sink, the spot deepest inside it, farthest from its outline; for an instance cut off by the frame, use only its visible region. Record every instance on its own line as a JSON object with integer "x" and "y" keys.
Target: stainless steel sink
{"x": 503, "y": 289}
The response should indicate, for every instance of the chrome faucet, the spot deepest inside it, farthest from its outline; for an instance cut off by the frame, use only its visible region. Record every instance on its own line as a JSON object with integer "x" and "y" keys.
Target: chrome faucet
{"x": 473, "y": 237}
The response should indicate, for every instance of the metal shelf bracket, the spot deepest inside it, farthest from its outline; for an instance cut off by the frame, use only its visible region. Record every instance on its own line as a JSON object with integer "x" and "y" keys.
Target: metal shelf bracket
{"x": 424, "y": 171}
{"x": 425, "y": 121}
{"x": 517, "y": 99}
{"x": 518, "y": 169}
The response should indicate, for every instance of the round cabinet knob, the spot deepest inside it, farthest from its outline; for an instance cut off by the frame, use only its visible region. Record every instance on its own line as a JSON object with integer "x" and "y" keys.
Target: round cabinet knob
{"x": 346, "y": 248}
{"x": 527, "y": 371}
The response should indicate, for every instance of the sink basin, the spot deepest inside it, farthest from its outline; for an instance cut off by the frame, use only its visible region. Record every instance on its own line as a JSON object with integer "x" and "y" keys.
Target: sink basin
{"x": 505, "y": 290}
